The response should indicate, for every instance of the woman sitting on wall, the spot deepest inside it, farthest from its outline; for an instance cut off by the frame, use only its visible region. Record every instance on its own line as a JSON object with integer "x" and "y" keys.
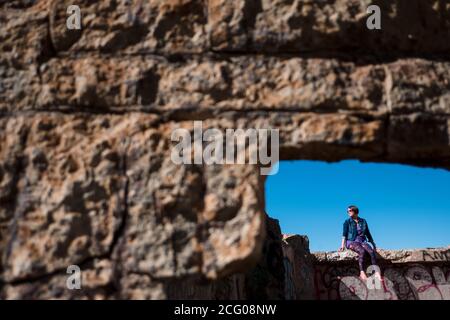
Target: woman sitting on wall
{"x": 354, "y": 237}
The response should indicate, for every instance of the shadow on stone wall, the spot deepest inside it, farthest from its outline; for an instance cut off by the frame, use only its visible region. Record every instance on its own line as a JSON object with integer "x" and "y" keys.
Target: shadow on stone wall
{"x": 264, "y": 281}
{"x": 410, "y": 27}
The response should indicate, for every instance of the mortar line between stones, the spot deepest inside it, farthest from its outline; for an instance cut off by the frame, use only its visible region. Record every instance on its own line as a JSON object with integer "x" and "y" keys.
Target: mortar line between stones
{"x": 363, "y": 58}
{"x": 167, "y": 116}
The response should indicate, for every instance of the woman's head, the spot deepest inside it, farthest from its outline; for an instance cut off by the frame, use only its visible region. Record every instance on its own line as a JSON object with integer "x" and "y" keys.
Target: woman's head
{"x": 352, "y": 211}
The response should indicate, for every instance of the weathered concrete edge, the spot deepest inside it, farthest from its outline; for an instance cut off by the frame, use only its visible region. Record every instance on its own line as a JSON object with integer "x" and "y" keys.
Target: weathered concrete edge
{"x": 431, "y": 255}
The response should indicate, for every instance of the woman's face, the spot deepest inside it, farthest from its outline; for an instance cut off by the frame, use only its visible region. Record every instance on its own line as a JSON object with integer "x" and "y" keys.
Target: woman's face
{"x": 351, "y": 213}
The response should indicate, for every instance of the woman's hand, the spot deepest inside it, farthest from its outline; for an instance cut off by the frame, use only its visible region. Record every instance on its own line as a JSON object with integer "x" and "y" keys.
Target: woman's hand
{"x": 342, "y": 248}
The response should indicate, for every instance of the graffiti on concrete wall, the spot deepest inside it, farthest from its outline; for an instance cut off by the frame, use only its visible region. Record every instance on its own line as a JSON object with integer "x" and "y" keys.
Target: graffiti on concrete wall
{"x": 436, "y": 255}
{"x": 405, "y": 282}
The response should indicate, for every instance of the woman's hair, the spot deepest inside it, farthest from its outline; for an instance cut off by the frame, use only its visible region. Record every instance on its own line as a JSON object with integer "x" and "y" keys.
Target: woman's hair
{"x": 354, "y": 209}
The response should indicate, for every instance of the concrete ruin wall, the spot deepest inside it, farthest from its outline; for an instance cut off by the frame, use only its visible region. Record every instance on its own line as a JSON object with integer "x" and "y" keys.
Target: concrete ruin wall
{"x": 421, "y": 274}
{"x": 86, "y": 118}
{"x": 407, "y": 275}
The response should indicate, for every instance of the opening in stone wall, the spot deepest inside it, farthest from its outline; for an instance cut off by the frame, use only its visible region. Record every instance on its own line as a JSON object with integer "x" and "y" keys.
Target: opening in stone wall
{"x": 407, "y": 207}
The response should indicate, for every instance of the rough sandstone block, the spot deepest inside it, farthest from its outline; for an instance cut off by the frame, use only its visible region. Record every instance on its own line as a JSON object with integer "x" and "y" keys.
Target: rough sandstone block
{"x": 241, "y": 83}
{"x": 200, "y": 85}
{"x": 282, "y": 26}
{"x": 24, "y": 36}
{"x": 62, "y": 192}
{"x": 155, "y": 26}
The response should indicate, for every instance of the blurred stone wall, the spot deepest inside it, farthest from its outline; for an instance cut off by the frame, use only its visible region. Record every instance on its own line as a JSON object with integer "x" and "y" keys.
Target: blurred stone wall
{"x": 86, "y": 118}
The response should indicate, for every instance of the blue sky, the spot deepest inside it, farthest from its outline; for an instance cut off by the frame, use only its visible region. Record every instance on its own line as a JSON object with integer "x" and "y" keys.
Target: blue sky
{"x": 405, "y": 206}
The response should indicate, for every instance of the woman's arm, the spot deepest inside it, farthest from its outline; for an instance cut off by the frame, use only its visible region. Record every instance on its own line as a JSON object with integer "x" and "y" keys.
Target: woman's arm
{"x": 342, "y": 248}
{"x": 369, "y": 236}
{"x": 344, "y": 236}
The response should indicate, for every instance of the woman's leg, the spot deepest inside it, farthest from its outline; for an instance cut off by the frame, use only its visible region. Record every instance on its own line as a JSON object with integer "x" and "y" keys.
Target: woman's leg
{"x": 371, "y": 252}
{"x": 358, "y": 248}
{"x": 368, "y": 248}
